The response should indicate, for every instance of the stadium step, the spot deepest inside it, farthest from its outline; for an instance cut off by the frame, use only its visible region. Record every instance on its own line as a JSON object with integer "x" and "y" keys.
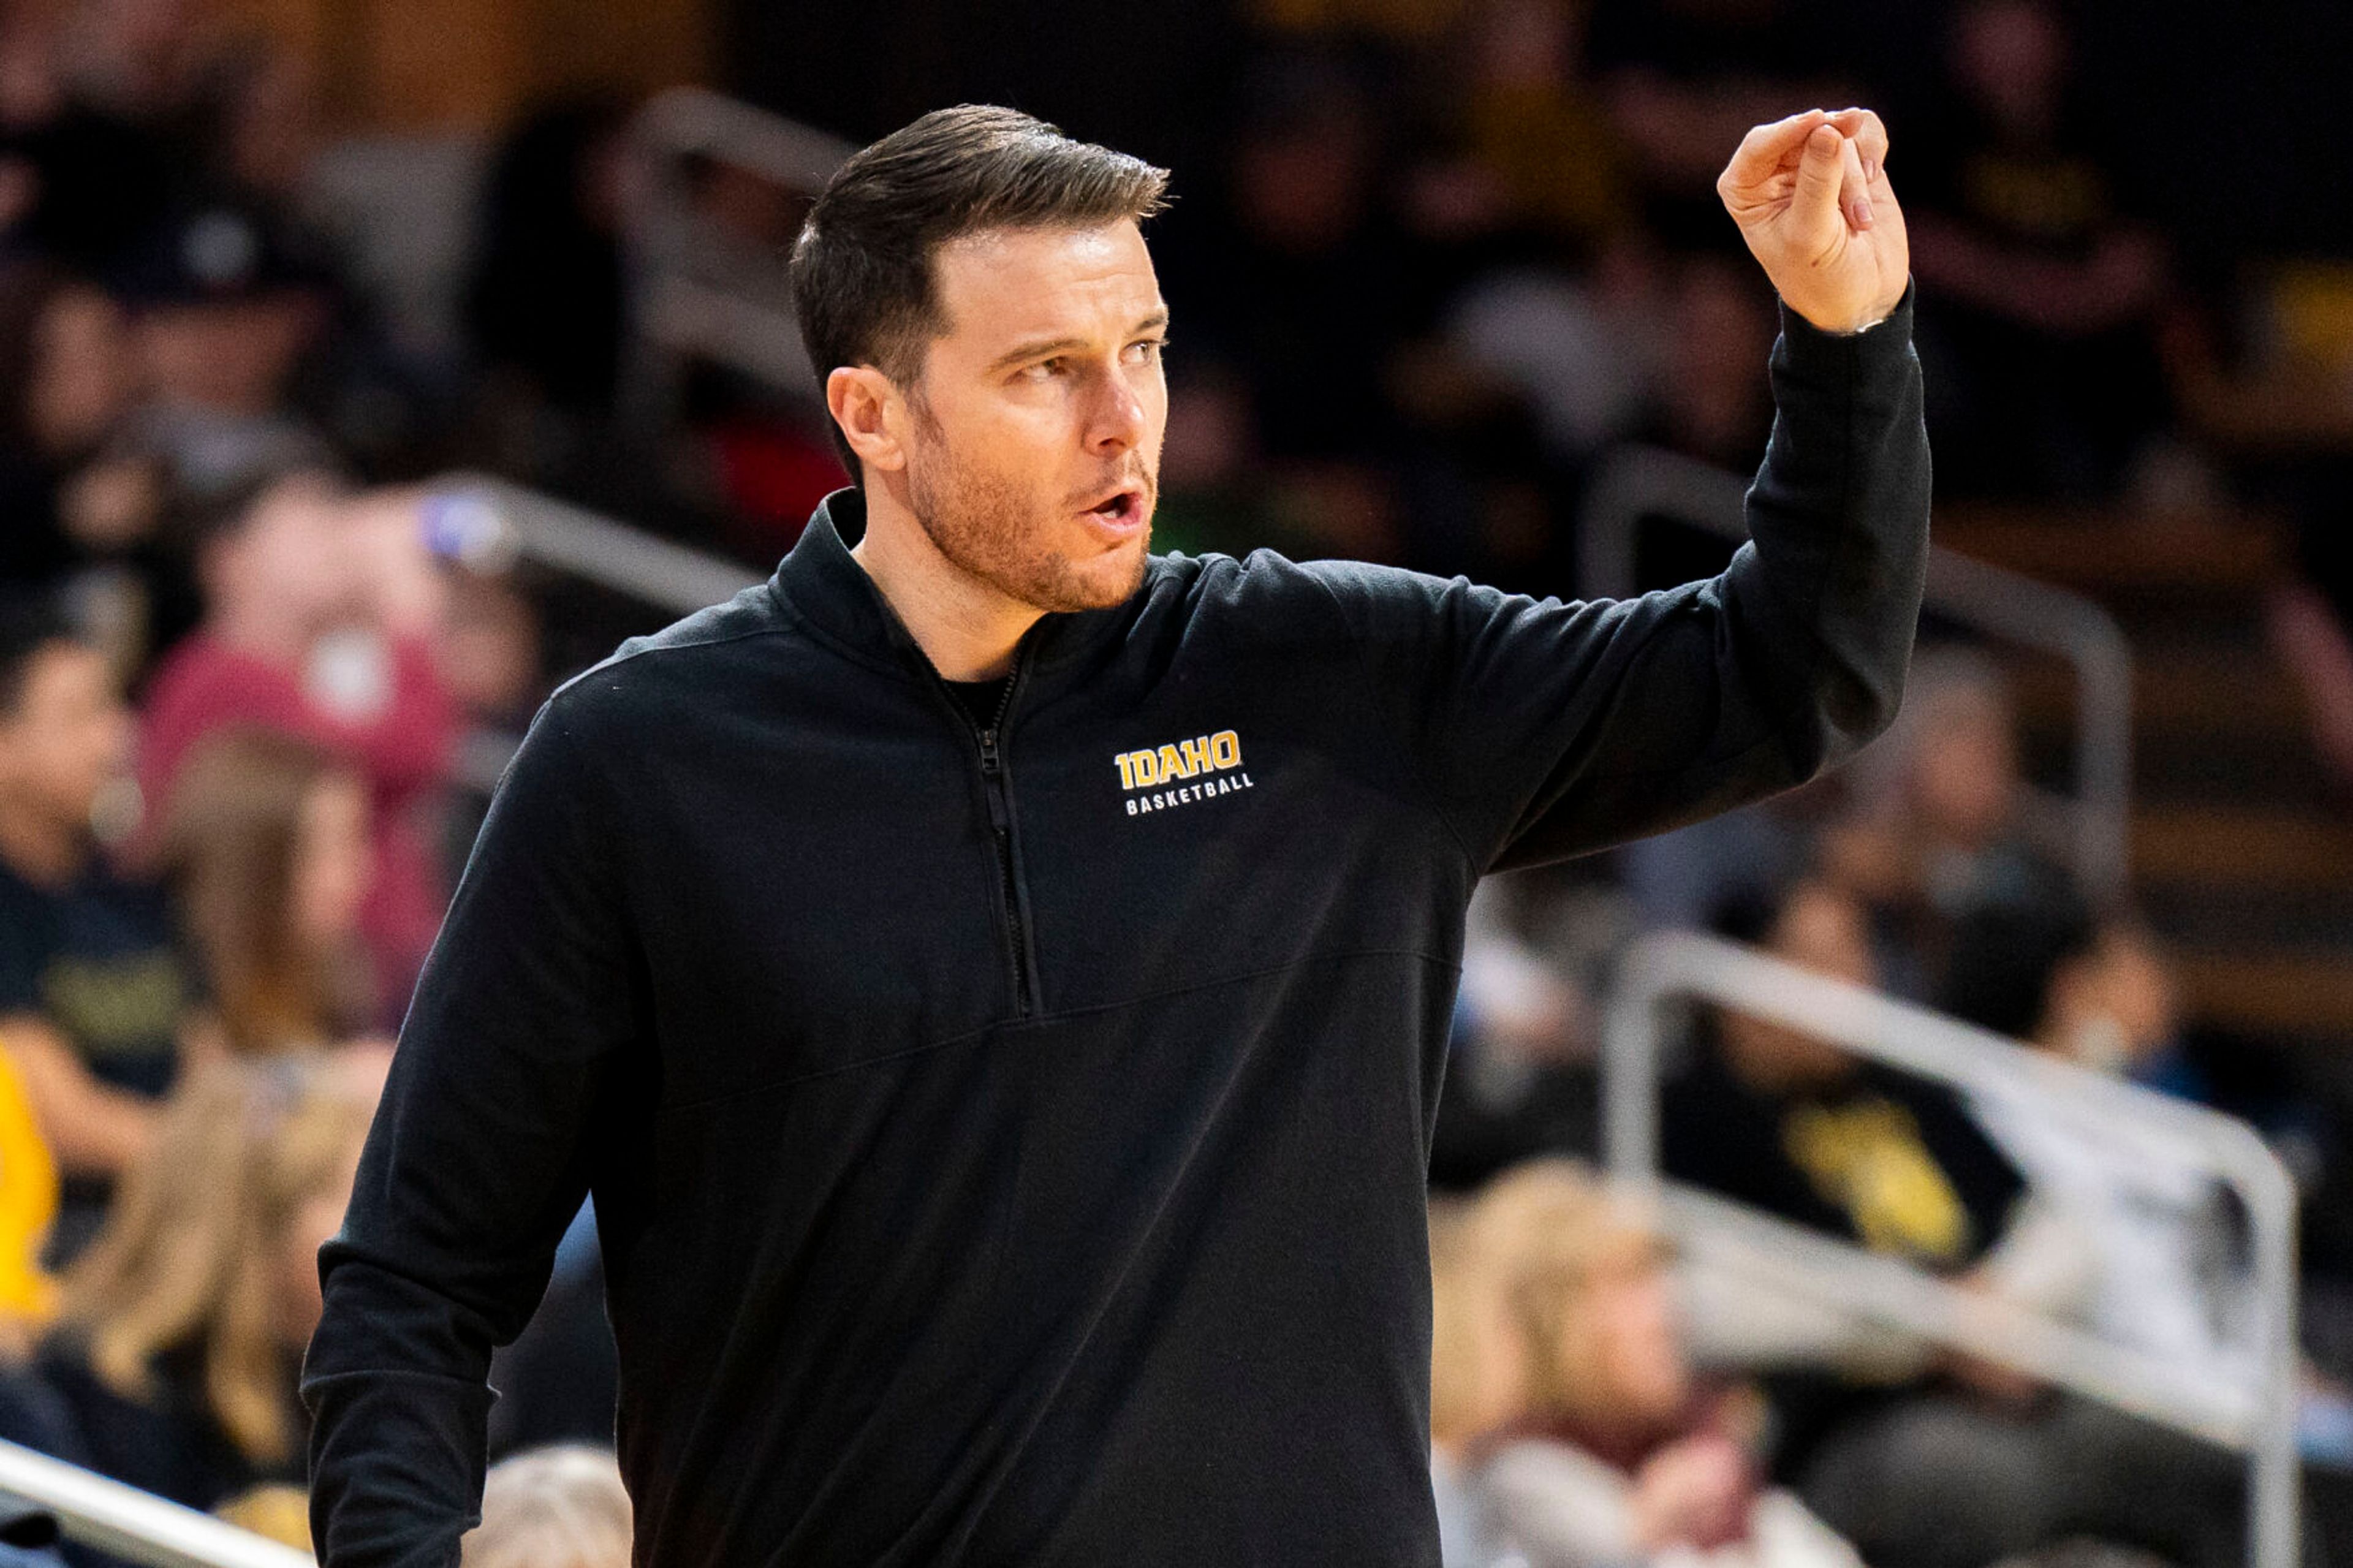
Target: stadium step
{"x": 2242, "y": 854}
{"x": 2213, "y": 687}
{"x": 2245, "y": 846}
{"x": 2207, "y": 558}
{"x": 2298, "y": 997}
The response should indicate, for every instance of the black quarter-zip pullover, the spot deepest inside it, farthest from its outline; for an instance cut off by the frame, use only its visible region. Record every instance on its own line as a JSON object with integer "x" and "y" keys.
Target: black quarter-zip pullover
{"x": 1009, "y": 1134}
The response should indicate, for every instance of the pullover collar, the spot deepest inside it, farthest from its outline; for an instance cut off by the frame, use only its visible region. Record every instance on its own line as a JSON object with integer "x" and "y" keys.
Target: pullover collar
{"x": 820, "y": 583}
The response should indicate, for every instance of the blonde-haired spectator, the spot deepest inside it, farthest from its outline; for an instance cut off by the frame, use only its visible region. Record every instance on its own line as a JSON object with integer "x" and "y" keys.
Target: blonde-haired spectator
{"x": 183, "y": 1326}
{"x": 561, "y": 1507}
{"x": 1475, "y": 1378}
{"x": 1619, "y": 1455}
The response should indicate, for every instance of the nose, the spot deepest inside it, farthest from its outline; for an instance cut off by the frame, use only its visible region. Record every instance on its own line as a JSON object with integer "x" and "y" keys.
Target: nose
{"x": 1115, "y": 418}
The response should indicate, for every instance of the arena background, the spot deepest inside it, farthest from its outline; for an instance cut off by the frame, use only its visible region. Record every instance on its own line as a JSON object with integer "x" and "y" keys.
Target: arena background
{"x": 473, "y": 306}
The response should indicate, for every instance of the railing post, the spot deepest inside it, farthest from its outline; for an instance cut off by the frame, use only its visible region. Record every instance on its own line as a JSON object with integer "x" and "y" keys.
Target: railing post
{"x": 2005, "y": 605}
{"x": 1667, "y": 965}
{"x": 100, "y": 1511}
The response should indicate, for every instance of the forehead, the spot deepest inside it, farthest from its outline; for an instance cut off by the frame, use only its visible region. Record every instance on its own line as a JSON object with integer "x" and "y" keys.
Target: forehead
{"x": 1003, "y": 285}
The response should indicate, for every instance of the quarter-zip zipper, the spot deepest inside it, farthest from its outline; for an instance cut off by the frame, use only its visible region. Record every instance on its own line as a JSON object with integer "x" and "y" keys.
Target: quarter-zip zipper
{"x": 997, "y": 786}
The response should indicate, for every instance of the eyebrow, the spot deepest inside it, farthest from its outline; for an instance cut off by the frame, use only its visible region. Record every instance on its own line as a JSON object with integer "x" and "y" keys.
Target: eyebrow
{"x": 1156, "y": 322}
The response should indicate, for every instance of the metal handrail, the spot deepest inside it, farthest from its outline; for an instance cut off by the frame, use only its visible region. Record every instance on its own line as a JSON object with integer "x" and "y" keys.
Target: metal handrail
{"x": 100, "y": 1511}
{"x": 489, "y": 523}
{"x": 696, "y": 121}
{"x": 684, "y": 302}
{"x": 2261, "y": 1420}
{"x": 1641, "y": 482}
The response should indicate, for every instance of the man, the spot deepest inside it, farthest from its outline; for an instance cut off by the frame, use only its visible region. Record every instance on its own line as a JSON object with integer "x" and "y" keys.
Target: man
{"x": 93, "y": 988}
{"x": 995, "y": 983}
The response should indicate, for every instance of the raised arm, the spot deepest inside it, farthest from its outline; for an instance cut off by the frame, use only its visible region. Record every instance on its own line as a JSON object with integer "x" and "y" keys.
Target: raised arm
{"x": 478, "y": 1160}
{"x": 1542, "y": 730}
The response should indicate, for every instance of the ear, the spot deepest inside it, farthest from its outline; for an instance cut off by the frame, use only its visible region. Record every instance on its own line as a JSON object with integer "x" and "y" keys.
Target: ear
{"x": 863, "y": 401}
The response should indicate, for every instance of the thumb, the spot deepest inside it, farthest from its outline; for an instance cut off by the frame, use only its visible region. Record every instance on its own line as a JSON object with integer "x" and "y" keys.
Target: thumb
{"x": 1820, "y": 172}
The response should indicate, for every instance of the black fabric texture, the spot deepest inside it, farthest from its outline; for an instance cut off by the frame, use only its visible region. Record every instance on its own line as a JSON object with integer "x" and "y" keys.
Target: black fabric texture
{"x": 1015, "y": 1155}
{"x": 980, "y": 699}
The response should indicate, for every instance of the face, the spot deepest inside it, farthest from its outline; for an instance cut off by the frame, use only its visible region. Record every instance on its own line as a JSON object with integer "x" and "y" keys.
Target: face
{"x": 1635, "y": 1342}
{"x": 1821, "y": 930}
{"x": 333, "y": 861}
{"x": 82, "y": 375}
{"x": 233, "y": 356}
{"x": 69, "y": 737}
{"x": 1965, "y": 780}
{"x": 288, "y": 568}
{"x": 1031, "y": 439}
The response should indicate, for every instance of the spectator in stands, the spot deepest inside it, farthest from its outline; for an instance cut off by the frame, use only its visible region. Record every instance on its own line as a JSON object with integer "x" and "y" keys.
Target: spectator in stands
{"x": 184, "y": 1324}
{"x": 1533, "y": 130}
{"x": 267, "y": 843}
{"x": 2039, "y": 290}
{"x": 2263, "y": 378}
{"x": 552, "y": 1507}
{"x": 1679, "y": 75}
{"x": 94, "y": 124}
{"x": 1936, "y": 1462}
{"x": 321, "y": 611}
{"x": 1708, "y": 403}
{"x": 1476, "y": 1381}
{"x": 1941, "y": 819}
{"x": 544, "y": 307}
{"x": 1585, "y": 351}
{"x": 1519, "y": 1074}
{"x": 2150, "y": 1260}
{"x": 1806, "y": 1131}
{"x": 1620, "y": 1454}
{"x": 93, "y": 989}
{"x": 1306, "y": 286}
{"x": 30, "y": 1199}
{"x": 223, "y": 313}
{"x": 65, "y": 382}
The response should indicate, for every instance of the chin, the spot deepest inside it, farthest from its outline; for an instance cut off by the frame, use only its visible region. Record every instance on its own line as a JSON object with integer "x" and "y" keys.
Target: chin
{"x": 1106, "y": 580}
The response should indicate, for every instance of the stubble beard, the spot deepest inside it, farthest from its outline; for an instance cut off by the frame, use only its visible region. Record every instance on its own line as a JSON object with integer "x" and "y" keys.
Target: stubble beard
{"x": 988, "y": 527}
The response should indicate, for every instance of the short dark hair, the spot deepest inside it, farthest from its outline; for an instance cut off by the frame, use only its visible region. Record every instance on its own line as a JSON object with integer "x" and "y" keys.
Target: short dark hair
{"x": 863, "y": 278}
{"x": 32, "y": 622}
{"x": 2007, "y": 950}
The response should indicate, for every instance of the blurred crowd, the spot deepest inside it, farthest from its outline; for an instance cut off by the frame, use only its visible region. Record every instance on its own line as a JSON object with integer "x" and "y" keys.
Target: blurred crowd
{"x": 255, "y": 679}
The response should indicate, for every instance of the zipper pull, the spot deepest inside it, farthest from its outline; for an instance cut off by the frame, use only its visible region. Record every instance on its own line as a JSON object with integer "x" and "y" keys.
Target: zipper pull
{"x": 989, "y": 760}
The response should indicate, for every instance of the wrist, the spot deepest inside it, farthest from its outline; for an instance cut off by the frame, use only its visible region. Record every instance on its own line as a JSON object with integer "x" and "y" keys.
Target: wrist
{"x": 1899, "y": 309}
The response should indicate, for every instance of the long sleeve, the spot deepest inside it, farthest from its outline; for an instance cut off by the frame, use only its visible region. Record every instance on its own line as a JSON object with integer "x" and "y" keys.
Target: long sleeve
{"x": 1544, "y": 729}
{"x": 478, "y": 1157}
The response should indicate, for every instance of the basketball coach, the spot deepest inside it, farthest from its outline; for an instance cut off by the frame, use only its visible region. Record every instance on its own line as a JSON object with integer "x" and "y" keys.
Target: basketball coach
{"x": 994, "y": 980}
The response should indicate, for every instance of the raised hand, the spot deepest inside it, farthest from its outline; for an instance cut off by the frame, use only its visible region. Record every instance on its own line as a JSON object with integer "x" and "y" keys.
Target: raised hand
{"x": 1812, "y": 197}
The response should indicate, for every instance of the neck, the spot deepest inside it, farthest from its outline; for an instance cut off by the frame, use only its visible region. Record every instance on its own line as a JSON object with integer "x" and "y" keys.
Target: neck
{"x": 42, "y": 850}
{"x": 966, "y": 627}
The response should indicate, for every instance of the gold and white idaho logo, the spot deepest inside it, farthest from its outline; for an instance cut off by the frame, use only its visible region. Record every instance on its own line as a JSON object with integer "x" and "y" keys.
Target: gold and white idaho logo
{"x": 1215, "y": 761}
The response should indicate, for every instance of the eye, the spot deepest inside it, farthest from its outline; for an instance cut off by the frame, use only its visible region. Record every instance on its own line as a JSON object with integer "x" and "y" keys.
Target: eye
{"x": 1147, "y": 350}
{"x": 1045, "y": 370}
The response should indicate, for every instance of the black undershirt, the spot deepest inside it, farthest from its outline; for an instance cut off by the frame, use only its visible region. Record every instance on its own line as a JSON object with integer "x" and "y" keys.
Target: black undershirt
{"x": 981, "y": 699}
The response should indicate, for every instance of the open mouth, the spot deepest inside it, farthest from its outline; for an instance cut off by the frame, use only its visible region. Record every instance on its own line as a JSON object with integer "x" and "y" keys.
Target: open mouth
{"x": 1119, "y": 506}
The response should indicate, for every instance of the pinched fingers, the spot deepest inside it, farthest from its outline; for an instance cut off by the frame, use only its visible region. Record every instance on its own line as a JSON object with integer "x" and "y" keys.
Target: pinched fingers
{"x": 1869, "y": 135}
{"x": 1854, "y": 189}
{"x": 1767, "y": 150}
